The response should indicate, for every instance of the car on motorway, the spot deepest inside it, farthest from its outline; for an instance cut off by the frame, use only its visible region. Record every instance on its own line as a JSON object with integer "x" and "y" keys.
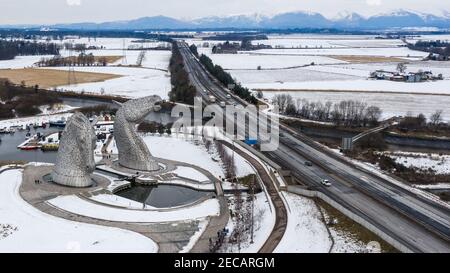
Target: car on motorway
{"x": 325, "y": 182}
{"x": 228, "y": 96}
{"x": 212, "y": 99}
{"x": 308, "y": 163}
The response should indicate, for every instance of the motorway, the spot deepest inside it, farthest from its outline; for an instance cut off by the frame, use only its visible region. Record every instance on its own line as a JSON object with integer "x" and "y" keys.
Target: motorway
{"x": 417, "y": 223}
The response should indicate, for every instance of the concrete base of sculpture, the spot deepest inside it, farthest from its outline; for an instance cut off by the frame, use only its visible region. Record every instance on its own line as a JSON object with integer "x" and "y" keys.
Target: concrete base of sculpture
{"x": 74, "y": 180}
{"x": 160, "y": 169}
{"x": 75, "y": 160}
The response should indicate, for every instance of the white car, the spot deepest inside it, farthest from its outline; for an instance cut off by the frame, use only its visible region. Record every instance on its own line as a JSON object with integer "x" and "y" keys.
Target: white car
{"x": 325, "y": 182}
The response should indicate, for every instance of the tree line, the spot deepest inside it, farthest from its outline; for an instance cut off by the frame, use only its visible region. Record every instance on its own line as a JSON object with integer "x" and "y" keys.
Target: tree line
{"x": 435, "y": 47}
{"x": 420, "y": 122}
{"x": 10, "y": 49}
{"x": 226, "y": 79}
{"x": 182, "y": 90}
{"x": 347, "y": 112}
{"x": 81, "y": 60}
{"x": 19, "y": 100}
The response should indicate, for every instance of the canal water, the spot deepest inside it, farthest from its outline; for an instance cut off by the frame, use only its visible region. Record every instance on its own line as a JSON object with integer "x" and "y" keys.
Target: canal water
{"x": 10, "y": 152}
{"x": 9, "y": 142}
{"x": 162, "y": 196}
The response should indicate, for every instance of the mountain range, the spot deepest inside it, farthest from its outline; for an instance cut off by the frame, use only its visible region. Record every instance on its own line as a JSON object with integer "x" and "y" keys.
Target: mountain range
{"x": 300, "y": 19}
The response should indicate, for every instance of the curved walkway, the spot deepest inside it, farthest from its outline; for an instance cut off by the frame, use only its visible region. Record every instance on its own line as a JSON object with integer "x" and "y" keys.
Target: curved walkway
{"x": 169, "y": 237}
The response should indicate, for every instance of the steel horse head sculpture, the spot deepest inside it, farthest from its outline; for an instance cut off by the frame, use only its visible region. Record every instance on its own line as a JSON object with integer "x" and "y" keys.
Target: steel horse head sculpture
{"x": 133, "y": 152}
{"x": 75, "y": 160}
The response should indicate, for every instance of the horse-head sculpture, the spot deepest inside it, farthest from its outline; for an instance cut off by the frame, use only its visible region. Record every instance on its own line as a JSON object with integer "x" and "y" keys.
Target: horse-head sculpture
{"x": 75, "y": 160}
{"x": 133, "y": 152}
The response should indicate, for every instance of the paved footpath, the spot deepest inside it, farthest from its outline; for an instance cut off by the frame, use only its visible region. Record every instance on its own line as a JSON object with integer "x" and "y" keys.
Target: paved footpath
{"x": 170, "y": 238}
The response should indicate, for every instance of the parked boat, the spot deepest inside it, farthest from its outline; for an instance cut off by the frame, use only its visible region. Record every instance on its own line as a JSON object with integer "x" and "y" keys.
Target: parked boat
{"x": 59, "y": 123}
{"x": 50, "y": 147}
{"x": 7, "y": 131}
{"x": 30, "y": 147}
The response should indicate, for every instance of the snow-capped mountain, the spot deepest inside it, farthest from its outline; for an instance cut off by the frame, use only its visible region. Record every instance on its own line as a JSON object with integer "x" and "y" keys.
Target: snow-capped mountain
{"x": 348, "y": 19}
{"x": 300, "y": 19}
{"x": 232, "y": 21}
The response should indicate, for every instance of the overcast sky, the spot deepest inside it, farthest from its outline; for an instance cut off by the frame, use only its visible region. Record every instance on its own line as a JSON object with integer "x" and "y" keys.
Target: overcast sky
{"x": 65, "y": 11}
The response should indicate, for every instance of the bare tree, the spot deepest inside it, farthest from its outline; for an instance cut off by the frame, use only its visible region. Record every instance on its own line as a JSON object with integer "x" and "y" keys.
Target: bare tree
{"x": 373, "y": 115}
{"x": 401, "y": 67}
{"x": 436, "y": 117}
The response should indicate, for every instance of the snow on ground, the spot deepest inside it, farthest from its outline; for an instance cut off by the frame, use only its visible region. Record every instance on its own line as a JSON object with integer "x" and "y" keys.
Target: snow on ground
{"x": 32, "y": 120}
{"x": 326, "y": 41}
{"x": 190, "y": 173}
{"x": 430, "y": 87}
{"x": 183, "y": 150}
{"x": 252, "y": 61}
{"x": 433, "y": 37}
{"x": 107, "y": 43}
{"x": 256, "y": 78}
{"x": 76, "y": 205}
{"x": 242, "y": 167}
{"x": 439, "y": 186}
{"x": 56, "y": 108}
{"x": 345, "y": 242}
{"x": 305, "y": 231}
{"x": 398, "y": 52}
{"x": 194, "y": 239}
{"x": 391, "y": 104}
{"x": 158, "y": 59}
{"x": 134, "y": 83}
{"x": 119, "y": 201}
{"x": 22, "y": 62}
{"x": 438, "y": 163}
{"x": 264, "y": 218}
{"x": 40, "y": 232}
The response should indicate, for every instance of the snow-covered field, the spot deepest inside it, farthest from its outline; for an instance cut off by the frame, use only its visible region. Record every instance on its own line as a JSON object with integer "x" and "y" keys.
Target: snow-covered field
{"x": 435, "y": 162}
{"x": 134, "y": 83}
{"x": 326, "y": 41}
{"x": 246, "y": 60}
{"x": 280, "y": 78}
{"x": 328, "y": 74}
{"x": 34, "y": 231}
{"x": 391, "y": 104}
{"x": 434, "y": 87}
{"x": 107, "y": 43}
{"x": 158, "y": 59}
{"x": 398, "y": 52}
{"x": 21, "y": 62}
